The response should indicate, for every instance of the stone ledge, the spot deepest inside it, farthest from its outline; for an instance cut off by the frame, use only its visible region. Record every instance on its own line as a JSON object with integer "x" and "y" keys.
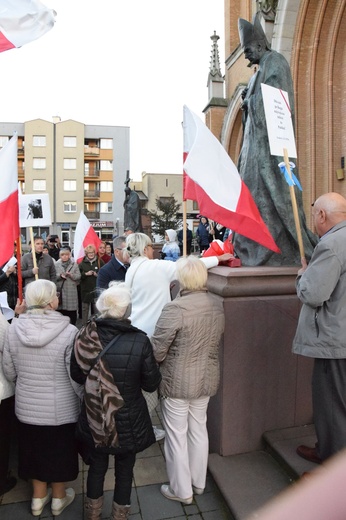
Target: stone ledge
{"x": 252, "y": 281}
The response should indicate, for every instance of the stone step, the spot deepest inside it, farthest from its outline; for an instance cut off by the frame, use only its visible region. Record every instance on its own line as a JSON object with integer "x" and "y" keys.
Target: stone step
{"x": 247, "y": 481}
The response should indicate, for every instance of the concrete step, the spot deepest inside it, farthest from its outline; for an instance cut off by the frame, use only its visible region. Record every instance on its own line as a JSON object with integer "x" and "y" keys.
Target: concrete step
{"x": 282, "y": 444}
{"x": 247, "y": 481}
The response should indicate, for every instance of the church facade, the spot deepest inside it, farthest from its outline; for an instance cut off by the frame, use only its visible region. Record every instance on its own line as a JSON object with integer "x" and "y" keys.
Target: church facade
{"x": 311, "y": 34}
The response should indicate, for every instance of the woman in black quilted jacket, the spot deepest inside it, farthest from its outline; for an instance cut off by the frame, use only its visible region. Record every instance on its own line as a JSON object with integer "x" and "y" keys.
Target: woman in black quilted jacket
{"x": 130, "y": 368}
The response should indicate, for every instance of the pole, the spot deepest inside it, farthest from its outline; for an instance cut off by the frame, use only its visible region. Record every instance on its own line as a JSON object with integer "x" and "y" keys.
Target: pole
{"x": 33, "y": 250}
{"x": 294, "y": 207}
{"x": 184, "y": 230}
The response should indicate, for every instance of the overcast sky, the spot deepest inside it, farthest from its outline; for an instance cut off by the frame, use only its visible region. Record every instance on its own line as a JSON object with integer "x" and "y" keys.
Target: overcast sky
{"x": 119, "y": 62}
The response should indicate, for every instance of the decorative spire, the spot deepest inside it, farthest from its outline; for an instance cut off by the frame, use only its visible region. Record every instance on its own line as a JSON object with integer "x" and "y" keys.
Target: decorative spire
{"x": 215, "y": 79}
{"x": 215, "y": 69}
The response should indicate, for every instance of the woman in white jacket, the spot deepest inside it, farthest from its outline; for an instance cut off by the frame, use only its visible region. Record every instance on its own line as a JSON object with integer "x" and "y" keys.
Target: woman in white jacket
{"x": 36, "y": 357}
{"x": 150, "y": 281}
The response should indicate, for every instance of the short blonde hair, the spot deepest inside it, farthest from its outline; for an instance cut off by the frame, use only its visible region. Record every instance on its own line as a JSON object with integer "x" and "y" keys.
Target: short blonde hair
{"x": 136, "y": 243}
{"x": 38, "y": 294}
{"x": 113, "y": 302}
{"x": 90, "y": 248}
{"x": 192, "y": 274}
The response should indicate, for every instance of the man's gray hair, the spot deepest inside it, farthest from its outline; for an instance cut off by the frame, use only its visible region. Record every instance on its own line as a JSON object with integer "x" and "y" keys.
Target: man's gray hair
{"x": 118, "y": 242}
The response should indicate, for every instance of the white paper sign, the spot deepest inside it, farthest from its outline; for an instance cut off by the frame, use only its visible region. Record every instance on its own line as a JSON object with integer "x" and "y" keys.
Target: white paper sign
{"x": 4, "y": 308}
{"x": 34, "y": 210}
{"x": 279, "y": 121}
{"x": 12, "y": 261}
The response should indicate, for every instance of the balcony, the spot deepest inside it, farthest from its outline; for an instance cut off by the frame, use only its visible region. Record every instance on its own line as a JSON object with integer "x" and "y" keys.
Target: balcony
{"x": 92, "y": 173}
{"x": 92, "y": 151}
{"x": 91, "y": 194}
{"x": 92, "y": 214}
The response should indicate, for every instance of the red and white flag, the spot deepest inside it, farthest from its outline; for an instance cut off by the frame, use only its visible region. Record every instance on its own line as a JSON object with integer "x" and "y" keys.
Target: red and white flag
{"x": 212, "y": 179}
{"x": 85, "y": 235}
{"x": 22, "y": 21}
{"x": 9, "y": 210}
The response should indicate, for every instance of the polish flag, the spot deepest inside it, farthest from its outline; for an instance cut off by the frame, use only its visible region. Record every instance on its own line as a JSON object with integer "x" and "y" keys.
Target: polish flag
{"x": 22, "y": 21}
{"x": 85, "y": 235}
{"x": 9, "y": 208}
{"x": 212, "y": 179}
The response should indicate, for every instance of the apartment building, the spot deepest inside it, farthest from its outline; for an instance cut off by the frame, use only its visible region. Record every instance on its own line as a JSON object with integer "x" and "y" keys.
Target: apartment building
{"x": 81, "y": 167}
{"x": 164, "y": 185}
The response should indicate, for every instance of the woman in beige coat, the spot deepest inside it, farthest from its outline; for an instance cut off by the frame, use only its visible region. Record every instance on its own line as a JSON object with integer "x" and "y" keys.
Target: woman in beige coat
{"x": 186, "y": 344}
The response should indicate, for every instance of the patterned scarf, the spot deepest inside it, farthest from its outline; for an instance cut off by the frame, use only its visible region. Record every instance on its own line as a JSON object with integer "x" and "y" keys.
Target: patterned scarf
{"x": 101, "y": 395}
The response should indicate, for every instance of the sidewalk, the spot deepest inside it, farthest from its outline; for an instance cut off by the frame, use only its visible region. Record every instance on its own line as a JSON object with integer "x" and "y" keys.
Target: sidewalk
{"x": 147, "y": 503}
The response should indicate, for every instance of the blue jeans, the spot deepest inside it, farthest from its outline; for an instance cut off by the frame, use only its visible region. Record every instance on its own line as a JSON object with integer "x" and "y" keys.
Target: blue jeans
{"x": 123, "y": 472}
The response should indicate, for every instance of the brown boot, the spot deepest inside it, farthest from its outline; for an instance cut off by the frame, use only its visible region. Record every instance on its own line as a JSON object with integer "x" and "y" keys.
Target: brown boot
{"x": 119, "y": 512}
{"x": 93, "y": 508}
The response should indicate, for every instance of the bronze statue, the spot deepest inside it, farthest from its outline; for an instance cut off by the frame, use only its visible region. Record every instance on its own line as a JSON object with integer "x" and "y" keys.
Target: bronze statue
{"x": 132, "y": 211}
{"x": 257, "y": 167}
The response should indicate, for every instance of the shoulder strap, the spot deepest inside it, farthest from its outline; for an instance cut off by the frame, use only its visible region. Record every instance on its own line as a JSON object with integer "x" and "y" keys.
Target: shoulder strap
{"x": 133, "y": 276}
{"x": 107, "y": 347}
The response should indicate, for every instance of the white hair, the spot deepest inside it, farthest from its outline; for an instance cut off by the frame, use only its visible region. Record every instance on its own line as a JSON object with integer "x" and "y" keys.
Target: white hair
{"x": 136, "y": 243}
{"x": 114, "y": 301}
{"x": 38, "y": 294}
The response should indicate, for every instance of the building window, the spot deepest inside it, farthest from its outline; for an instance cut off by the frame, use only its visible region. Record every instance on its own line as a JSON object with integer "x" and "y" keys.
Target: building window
{"x": 106, "y": 166}
{"x": 195, "y": 205}
{"x": 166, "y": 200}
{"x": 106, "y": 207}
{"x": 70, "y": 164}
{"x": 106, "y": 144}
{"x": 106, "y": 186}
{"x": 39, "y": 140}
{"x": 39, "y": 185}
{"x": 70, "y": 142}
{"x": 70, "y": 207}
{"x": 39, "y": 163}
{"x": 70, "y": 185}
{"x": 3, "y": 140}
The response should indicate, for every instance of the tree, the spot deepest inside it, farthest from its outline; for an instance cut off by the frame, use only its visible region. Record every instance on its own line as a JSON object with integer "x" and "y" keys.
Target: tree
{"x": 165, "y": 216}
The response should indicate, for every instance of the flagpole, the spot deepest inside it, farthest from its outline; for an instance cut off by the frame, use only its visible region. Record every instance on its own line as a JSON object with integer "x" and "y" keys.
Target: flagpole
{"x": 33, "y": 250}
{"x": 294, "y": 207}
{"x": 184, "y": 229}
{"x": 19, "y": 268}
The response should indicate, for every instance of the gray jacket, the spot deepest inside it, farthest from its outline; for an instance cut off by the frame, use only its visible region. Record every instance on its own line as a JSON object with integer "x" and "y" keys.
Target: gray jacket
{"x": 36, "y": 357}
{"x": 46, "y": 268}
{"x": 186, "y": 344}
{"x": 68, "y": 286}
{"x": 321, "y": 331}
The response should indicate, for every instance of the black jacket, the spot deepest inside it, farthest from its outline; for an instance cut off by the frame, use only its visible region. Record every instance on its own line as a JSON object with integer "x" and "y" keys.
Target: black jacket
{"x": 134, "y": 368}
{"x": 113, "y": 270}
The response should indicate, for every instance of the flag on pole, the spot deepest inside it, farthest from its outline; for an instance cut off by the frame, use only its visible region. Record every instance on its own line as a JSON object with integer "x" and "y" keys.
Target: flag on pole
{"x": 22, "y": 21}
{"x": 212, "y": 179}
{"x": 9, "y": 211}
{"x": 85, "y": 235}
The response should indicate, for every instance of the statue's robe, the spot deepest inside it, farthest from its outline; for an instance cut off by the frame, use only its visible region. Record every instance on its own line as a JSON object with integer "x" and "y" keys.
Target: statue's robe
{"x": 260, "y": 172}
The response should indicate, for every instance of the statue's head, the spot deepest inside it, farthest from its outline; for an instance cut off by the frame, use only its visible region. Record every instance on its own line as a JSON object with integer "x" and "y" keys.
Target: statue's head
{"x": 253, "y": 40}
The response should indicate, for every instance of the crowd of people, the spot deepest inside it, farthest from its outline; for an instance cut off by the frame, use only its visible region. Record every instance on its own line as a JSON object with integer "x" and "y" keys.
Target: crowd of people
{"x": 48, "y": 380}
{"x": 91, "y": 391}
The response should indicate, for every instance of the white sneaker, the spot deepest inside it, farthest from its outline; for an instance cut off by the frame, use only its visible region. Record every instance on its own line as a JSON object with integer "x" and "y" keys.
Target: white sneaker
{"x": 159, "y": 434}
{"x": 37, "y": 504}
{"x": 59, "y": 504}
{"x": 197, "y": 491}
{"x": 168, "y": 493}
